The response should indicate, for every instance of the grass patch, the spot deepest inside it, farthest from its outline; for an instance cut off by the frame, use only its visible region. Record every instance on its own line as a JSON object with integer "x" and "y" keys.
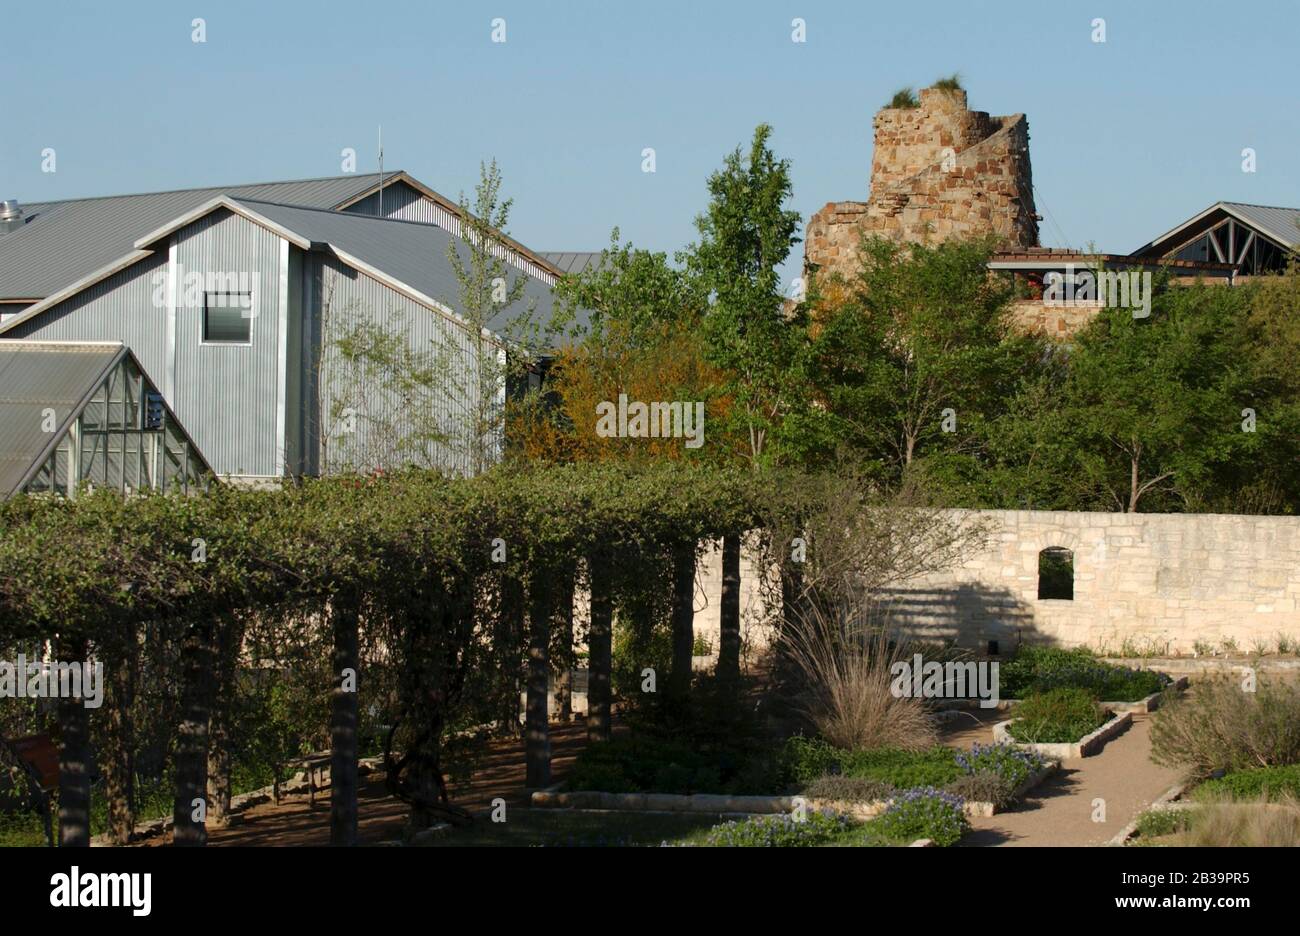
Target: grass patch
{"x": 985, "y": 773}
{"x": 576, "y": 829}
{"x": 1269, "y": 783}
{"x": 904, "y": 99}
{"x": 1253, "y": 824}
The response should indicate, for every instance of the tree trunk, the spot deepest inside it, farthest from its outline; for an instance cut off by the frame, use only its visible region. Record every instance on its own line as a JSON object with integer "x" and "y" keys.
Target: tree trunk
{"x": 225, "y": 660}
{"x": 564, "y": 665}
{"x": 74, "y": 759}
{"x": 1133, "y": 486}
{"x": 683, "y": 619}
{"x": 192, "y": 736}
{"x": 508, "y": 639}
{"x": 537, "y": 731}
{"x": 599, "y": 650}
{"x": 792, "y": 615}
{"x": 344, "y": 710}
{"x": 117, "y": 762}
{"x": 729, "y": 611}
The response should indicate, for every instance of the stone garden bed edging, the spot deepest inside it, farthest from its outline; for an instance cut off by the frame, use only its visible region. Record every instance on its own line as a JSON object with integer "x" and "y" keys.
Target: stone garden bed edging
{"x": 1151, "y": 702}
{"x": 951, "y": 708}
{"x": 739, "y": 806}
{"x": 1086, "y": 746}
{"x": 1170, "y": 799}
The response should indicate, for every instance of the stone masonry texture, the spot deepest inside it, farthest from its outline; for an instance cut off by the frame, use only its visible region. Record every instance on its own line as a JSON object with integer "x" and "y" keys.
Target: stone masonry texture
{"x": 938, "y": 171}
{"x": 1151, "y": 581}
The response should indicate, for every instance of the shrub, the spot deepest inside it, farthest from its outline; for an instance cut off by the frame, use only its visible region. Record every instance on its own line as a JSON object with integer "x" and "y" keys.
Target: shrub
{"x": 1040, "y": 669}
{"x": 1157, "y": 822}
{"x": 1058, "y": 716}
{"x": 923, "y": 812}
{"x": 843, "y": 663}
{"x": 982, "y": 787}
{"x": 994, "y": 772}
{"x": 1007, "y": 761}
{"x": 1256, "y": 783}
{"x": 848, "y": 789}
{"x": 637, "y": 763}
{"x": 951, "y": 83}
{"x": 804, "y": 759}
{"x": 782, "y": 831}
{"x": 1219, "y": 726}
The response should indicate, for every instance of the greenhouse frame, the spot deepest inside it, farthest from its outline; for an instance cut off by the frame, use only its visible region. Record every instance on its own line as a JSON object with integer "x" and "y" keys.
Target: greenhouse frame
{"x": 85, "y": 414}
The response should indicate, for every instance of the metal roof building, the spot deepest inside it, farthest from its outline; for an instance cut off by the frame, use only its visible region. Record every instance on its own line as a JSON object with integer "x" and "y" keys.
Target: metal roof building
{"x": 1252, "y": 238}
{"x": 85, "y": 412}
{"x": 232, "y": 299}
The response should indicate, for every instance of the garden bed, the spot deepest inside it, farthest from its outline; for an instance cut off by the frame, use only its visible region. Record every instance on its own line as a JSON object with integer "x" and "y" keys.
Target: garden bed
{"x": 581, "y": 827}
{"x": 1088, "y": 745}
{"x": 754, "y": 805}
{"x": 1150, "y": 703}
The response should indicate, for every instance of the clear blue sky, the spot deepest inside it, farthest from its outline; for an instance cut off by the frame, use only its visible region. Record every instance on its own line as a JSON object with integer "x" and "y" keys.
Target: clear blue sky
{"x": 1128, "y": 138}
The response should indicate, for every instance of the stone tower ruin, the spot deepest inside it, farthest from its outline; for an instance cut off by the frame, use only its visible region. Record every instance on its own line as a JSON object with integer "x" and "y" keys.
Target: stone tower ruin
{"x": 938, "y": 171}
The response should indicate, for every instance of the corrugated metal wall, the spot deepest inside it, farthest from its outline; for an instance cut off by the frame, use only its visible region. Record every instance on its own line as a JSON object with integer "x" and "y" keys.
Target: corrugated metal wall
{"x": 344, "y": 299}
{"x": 226, "y": 396}
{"x": 121, "y": 308}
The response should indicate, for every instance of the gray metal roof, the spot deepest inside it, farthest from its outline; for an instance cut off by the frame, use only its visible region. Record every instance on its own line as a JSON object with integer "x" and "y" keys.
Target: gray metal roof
{"x": 35, "y": 376}
{"x": 1279, "y": 224}
{"x": 572, "y": 262}
{"x": 411, "y": 252}
{"x": 64, "y": 241}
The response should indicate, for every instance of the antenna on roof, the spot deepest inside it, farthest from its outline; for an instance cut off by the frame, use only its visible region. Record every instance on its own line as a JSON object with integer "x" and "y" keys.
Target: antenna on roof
{"x": 381, "y": 170}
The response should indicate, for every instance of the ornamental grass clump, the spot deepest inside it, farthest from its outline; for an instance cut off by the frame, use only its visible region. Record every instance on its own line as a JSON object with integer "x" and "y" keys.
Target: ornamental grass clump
{"x": 844, "y": 662}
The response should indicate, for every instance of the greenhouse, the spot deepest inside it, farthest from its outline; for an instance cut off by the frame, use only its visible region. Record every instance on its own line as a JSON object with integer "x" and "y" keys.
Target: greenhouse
{"x": 85, "y": 414}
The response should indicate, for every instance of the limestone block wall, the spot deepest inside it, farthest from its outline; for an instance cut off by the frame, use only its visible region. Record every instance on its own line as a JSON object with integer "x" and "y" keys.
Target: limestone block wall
{"x": 1149, "y": 578}
{"x": 938, "y": 171}
{"x": 1152, "y": 580}
{"x": 1055, "y": 320}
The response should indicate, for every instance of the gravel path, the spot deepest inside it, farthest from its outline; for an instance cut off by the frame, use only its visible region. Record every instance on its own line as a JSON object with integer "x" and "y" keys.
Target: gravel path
{"x": 1060, "y": 810}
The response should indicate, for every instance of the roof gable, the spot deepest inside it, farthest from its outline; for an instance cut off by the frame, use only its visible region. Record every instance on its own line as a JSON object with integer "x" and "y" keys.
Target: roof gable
{"x": 1278, "y": 224}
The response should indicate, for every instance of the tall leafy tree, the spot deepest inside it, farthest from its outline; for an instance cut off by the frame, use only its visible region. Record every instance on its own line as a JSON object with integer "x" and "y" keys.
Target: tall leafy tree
{"x": 919, "y": 358}
{"x": 1150, "y": 412}
{"x": 746, "y": 234}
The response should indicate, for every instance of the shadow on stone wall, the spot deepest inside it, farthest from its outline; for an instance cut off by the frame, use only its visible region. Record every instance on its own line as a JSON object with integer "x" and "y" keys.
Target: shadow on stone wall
{"x": 968, "y": 615}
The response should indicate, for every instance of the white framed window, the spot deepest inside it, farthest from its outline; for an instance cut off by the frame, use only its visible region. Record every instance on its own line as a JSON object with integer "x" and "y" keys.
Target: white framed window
{"x": 228, "y": 318}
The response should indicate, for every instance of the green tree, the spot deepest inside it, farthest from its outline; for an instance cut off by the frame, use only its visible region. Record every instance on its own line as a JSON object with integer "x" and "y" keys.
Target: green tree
{"x": 920, "y": 358}
{"x": 746, "y": 234}
{"x": 1150, "y": 409}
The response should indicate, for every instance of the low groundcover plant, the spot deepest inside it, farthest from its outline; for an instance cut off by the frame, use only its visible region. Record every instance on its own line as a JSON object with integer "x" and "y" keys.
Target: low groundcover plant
{"x": 924, "y": 812}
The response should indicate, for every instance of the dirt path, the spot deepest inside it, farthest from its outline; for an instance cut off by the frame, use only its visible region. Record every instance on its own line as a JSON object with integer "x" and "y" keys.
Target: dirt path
{"x": 1060, "y": 810}
{"x": 294, "y": 821}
